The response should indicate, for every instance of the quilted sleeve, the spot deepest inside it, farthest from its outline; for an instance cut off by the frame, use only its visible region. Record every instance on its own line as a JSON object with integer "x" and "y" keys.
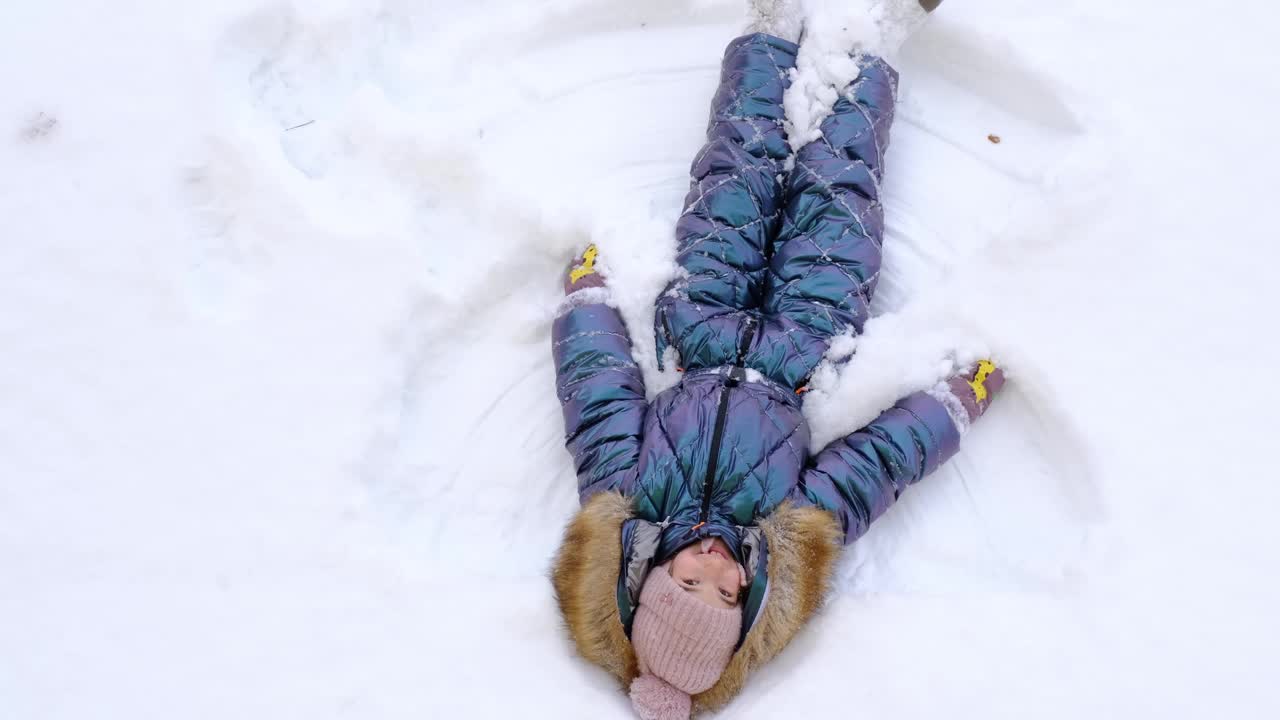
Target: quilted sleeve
{"x": 858, "y": 477}
{"x": 601, "y": 392}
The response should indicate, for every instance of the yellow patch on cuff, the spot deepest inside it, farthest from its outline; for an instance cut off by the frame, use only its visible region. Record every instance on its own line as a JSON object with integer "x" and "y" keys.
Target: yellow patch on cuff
{"x": 978, "y": 383}
{"x": 588, "y": 266}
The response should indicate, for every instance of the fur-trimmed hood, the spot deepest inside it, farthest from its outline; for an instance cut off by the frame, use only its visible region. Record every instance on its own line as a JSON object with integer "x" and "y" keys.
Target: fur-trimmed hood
{"x": 803, "y": 544}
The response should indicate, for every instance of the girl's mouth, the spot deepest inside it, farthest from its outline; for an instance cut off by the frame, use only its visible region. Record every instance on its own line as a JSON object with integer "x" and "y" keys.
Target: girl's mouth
{"x": 712, "y": 546}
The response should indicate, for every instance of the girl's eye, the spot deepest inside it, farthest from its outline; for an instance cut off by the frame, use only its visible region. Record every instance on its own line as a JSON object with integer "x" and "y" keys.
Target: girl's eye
{"x": 690, "y": 583}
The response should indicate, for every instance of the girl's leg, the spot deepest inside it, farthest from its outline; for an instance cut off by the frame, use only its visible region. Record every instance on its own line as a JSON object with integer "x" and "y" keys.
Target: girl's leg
{"x": 826, "y": 258}
{"x": 733, "y": 209}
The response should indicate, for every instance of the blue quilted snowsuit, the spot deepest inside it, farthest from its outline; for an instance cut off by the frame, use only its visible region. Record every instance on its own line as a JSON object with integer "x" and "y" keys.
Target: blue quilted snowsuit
{"x": 776, "y": 262}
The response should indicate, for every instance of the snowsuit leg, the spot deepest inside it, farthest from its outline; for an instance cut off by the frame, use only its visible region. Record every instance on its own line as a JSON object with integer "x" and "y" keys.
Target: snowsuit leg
{"x": 825, "y": 260}
{"x": 732, "y": 211}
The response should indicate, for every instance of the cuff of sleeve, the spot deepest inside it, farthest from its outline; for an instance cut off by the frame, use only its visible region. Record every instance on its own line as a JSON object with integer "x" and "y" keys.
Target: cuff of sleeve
{"x": 585, "y": 296}
{"x": 937, "y": 417}
{"x": 953, "y": 405}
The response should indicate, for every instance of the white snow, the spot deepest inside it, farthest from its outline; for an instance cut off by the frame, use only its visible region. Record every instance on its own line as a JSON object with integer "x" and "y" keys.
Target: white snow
{"x": 824, "y": 64}
{"x": 781, "y": 18}
{"x": 279, "y": 437}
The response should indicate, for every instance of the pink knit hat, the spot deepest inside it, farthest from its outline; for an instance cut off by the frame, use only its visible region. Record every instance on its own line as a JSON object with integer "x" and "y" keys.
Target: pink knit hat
{"x": 682, "y": 645}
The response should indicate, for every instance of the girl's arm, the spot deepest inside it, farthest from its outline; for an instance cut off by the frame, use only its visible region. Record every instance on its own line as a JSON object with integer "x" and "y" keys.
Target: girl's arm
{"x": 860, "y": 476}
{"x": 599, "y": 385}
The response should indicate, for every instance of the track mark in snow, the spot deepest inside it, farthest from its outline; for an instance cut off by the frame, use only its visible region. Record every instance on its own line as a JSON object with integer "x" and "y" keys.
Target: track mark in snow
{"x": 983, "y": 87}
{"x": 469, "y": 436}
{"x": 39, "y": 127}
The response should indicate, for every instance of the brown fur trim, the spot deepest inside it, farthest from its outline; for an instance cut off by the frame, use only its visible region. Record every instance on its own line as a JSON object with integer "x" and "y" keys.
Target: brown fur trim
{"x": 803, "y": 543}
{"x": 585, "y": 576}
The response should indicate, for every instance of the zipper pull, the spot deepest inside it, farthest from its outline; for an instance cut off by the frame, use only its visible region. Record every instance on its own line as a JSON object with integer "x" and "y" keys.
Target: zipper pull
{"x": 747, "y": 338}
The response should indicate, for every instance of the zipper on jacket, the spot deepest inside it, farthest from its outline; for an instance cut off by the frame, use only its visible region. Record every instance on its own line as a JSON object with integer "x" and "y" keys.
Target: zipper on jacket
{"x": 736, "y": 375}
{"x": 721, "y": 412}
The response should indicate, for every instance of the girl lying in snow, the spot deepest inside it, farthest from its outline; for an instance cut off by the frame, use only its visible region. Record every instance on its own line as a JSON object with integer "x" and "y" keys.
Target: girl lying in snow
{"x": 707, "y": 533}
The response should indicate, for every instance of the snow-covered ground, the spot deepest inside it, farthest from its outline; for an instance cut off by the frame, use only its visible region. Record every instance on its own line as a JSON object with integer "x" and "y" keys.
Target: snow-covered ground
{"x": 277, "y": 430}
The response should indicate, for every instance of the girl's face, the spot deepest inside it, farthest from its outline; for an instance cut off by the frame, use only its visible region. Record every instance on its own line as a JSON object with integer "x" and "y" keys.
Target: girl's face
{"x": 707, "y": 570}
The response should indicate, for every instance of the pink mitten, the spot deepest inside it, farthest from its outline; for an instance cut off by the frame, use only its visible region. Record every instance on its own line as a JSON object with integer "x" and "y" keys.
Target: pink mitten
{"x": 975, "y": 389}
{"x": 968, "y": 395}
{"x": 582, "y": 272}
